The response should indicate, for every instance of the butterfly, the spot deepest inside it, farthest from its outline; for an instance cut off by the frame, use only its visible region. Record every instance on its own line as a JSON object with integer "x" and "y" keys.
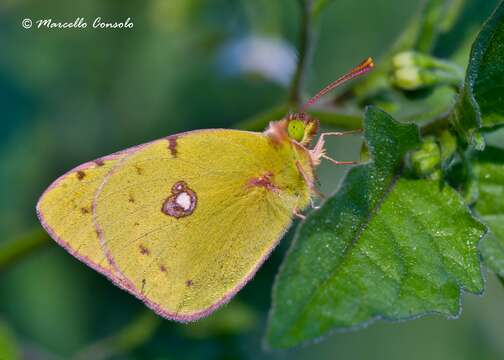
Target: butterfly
{"x": 184, "y": 222}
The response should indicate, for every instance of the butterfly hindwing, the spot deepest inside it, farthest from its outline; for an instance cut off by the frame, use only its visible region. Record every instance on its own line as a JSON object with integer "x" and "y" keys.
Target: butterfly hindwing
{"x": 65, "y": 210}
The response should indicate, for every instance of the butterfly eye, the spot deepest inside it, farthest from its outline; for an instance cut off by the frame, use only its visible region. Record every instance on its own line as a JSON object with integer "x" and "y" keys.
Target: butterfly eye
{"x": 296, "y": 130}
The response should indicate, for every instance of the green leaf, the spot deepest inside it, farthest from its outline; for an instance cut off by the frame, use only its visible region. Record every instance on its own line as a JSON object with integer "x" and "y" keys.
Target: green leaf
{"x": 383, "y": 247}
{"x": 489, "y": 172}
{"x": 486, "y": 70}
{"x": 481, "y": 102}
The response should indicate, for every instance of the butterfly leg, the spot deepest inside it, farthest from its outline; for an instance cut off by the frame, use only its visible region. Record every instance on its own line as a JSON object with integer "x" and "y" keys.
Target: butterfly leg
{"x": 309, "y": 181}
{"x": 305, "y": 176}
{"x": 341, "y": 133}
{"x": 318, "y": 150}
{"x": 298, "y": 214}
{"x": 339, "y": 162}
{"x": 315, "y": 207}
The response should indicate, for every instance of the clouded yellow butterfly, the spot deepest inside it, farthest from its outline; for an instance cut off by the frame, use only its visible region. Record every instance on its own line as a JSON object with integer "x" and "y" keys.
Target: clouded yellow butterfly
{"x": 185, "y": 221}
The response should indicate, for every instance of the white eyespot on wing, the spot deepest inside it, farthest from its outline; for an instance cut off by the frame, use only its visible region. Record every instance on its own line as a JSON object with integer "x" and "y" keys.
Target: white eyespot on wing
{"x": 184, "y": 200}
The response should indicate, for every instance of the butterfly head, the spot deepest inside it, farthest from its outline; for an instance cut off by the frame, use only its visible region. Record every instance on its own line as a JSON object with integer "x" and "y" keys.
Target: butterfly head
{"x": 301, "y": 128}
{"x": 297, "y": 128}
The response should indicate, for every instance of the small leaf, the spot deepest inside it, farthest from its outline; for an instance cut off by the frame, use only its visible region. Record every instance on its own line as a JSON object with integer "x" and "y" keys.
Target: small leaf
{"x": 383, "y": 247}
{"x": 486, "y": 70}
{"x": 481, "y": 102}
{"x": 489, "y": 171}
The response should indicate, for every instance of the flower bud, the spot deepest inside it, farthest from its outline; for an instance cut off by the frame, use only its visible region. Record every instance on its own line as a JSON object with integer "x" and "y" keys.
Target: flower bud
{"x": 404, "y": 59}
{"x": 413, "y": 71}
{"x": 408, "y": 78}
{"x": 427, "y": 160}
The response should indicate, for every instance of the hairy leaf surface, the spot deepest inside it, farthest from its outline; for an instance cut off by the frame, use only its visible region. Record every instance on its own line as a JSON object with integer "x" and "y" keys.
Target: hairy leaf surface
{"x": 383, "y": 246}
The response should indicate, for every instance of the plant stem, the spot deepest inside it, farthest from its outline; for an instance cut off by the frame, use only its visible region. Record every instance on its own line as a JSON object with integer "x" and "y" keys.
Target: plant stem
{"x": 305, "y": 46}
{"x": 330, "y": 118}
{"x": 260, "y": 121}
{"x": 16, "y": 249}
{"x": 338, "y": 120}
{"x": 134, "y": 334}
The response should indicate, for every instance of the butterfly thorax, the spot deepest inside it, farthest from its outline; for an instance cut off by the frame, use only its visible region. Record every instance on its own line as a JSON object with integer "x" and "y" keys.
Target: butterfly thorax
{"x": 293, "y": 135}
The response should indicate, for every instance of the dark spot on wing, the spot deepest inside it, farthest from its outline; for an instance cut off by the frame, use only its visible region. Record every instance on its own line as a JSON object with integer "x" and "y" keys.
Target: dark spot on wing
{"x": 162, "y": 268}
{"x": 189, "y": 282}
{"x": 81, "y": 174}
{"x": 136, "y": 224}
{"x": 143, "y": 284}
{"x": 99, "y": 162}
{"x": 265, "y": 181}
{"x": 84, "y": 210}
{"x": 139, "y": 170}
{"x": 131, "y": 199}
{"x": 172, "y": 145}
{"x": 144, "y": 250}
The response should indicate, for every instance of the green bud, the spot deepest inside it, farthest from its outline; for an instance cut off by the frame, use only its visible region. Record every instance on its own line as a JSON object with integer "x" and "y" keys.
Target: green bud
{"x": 436, "y": 175}
{"x": 416, "y": 59}
{"x": 425, "y": 61}
{"x": 404, "y": 59}
{"x": 427, "y": 159}
{"x": 408, "y": 78}
{"x": 413, "y": 70}
{"x": 414, "y": 78}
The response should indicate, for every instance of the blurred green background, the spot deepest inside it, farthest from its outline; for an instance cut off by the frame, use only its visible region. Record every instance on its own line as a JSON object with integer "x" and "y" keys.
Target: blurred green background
{"x": 68, "y": 96}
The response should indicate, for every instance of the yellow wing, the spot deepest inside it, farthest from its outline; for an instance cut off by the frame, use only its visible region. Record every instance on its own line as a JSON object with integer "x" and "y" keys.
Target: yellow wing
{"x": 188, "y": 220}
{"x": 182, "y": 222}
{"x": 65, "y": 210}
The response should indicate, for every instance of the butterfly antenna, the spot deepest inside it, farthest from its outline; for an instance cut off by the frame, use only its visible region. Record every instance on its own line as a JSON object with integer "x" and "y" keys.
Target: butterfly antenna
{"x": 361, "y": 69}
